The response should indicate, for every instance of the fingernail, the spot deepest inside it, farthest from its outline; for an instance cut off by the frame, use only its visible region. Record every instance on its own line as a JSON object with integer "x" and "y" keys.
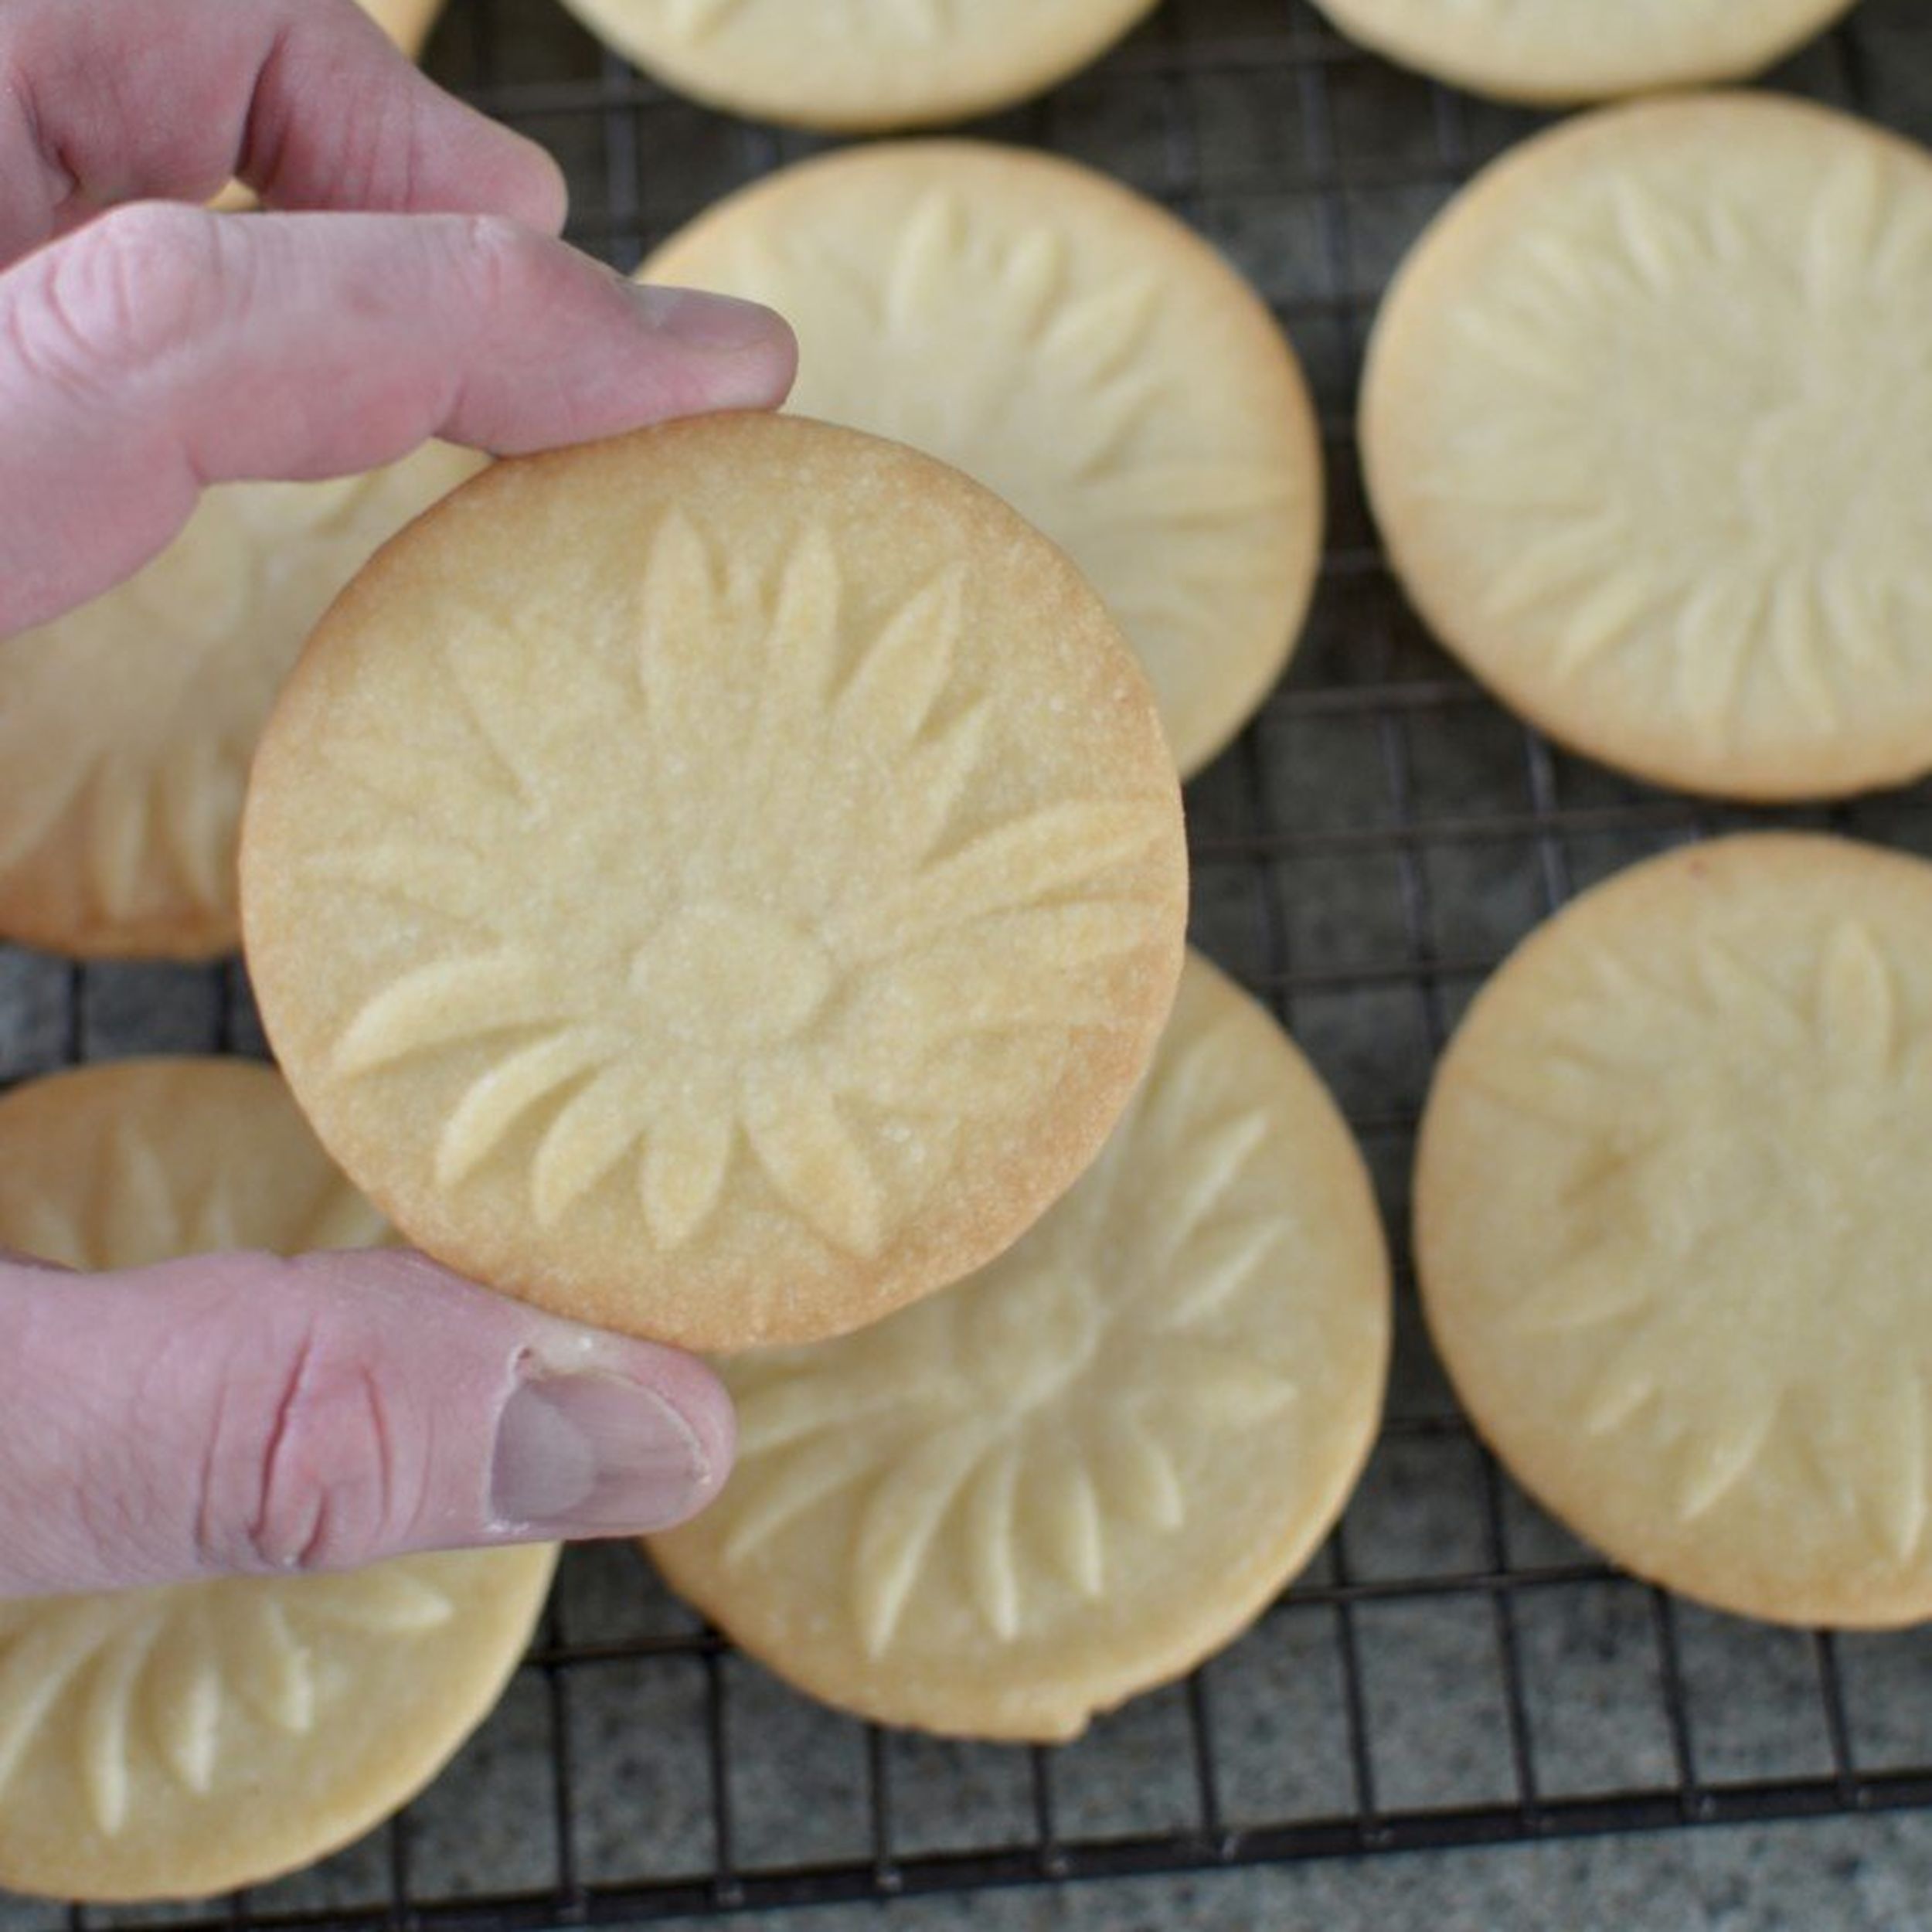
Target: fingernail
{"x": 593, "y": 1455}
{"x": 719, "y": 324}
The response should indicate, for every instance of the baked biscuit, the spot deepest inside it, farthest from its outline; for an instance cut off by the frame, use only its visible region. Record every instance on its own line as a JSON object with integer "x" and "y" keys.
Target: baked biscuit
{"x": 1673, "y": 1230}
{"x": 1070, "y": 1478}
{"x": 1648, "y": 428}
{"x": 720, "y": 884}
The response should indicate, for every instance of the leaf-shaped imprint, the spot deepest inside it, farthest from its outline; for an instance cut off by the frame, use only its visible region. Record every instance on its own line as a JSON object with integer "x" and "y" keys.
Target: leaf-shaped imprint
{"x": 107, "y": 1721}
{"x": 1719, "y": 1458}
{"x": 451, "y": 1003}
{"x": 183, "y": 1694}
{"x": 389, "y": 1601}
{"x": 902, "y": 1520}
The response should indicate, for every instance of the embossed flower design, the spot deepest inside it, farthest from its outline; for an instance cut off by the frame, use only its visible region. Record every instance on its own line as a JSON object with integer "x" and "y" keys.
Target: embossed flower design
{"x": 156, "y": 1680}
{"x": 830, "y": 957}
{"x": 1022, "y": 1436}
{"x": 1684, "y": 440}
{"x": 1727, "y": 1249}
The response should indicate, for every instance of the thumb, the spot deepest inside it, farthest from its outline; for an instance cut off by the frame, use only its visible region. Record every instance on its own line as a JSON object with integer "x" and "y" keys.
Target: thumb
{"x": 239, "y": 1413}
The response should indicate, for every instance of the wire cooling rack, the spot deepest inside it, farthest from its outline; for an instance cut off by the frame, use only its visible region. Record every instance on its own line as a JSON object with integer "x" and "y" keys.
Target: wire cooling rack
{"x": 1453, "y": 1670}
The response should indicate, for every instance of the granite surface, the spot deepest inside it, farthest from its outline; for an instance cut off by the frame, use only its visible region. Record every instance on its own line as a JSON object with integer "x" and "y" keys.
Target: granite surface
{"x": 1367, "y": 852}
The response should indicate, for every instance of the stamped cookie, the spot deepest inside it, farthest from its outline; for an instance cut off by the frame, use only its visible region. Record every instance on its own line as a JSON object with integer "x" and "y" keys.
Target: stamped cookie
{"x": 1555, "y": 53}
{"x": 1647, "y": 426}
{"x": 860, "y": 65}
{"x": 1674, "y": 1232}
{"x": 1081, "y": 352}
{"x": 174, "y": 1743}
{"x": 721, "y": 884}
{"x": 126, "y": 726}
{"x": 1070, "y": 1478}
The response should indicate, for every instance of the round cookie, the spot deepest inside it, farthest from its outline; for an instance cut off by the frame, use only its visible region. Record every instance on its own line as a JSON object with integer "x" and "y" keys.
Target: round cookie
{"x": 1081, "y": 352}
{"x": 126, "y": 726}
{"x": 1557, "y": 53}
{"x": 861, "y": 65}
{"x": 1673, "y": 1231}
{"x": 722, "y": 883}
{"x": 1648, "y": 428}
{"x": 1071, "y": 1477}
{"x": 179, "y": 1742}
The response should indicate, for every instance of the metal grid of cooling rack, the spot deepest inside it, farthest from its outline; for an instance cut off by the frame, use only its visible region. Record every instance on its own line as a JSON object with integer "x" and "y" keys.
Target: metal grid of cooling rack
{"x": 1452, "y": 1670}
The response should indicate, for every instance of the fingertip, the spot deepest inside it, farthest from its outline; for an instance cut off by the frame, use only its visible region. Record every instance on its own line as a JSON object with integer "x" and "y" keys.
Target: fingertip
{"x": 750, "y": 351}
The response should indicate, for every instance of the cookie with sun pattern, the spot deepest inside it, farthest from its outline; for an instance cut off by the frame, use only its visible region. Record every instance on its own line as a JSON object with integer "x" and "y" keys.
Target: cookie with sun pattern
{"x": 1560, "y": 52}
{"x": 1068, "y": 1478}
{"x": 127, "y": 726}
{"x": 1079, "y": 351}
{"x": 861, "y": 64}
{"x": 1673, "y": 1231}
{"x": 178, "y": 1742}
{"x": 721, "y": 884}
{"x": 1647, "y": 426}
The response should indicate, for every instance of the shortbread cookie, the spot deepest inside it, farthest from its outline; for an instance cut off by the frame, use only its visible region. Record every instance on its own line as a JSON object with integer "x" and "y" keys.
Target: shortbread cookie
{"x": 1559, "y": 52}
{"x": 1081, "y": 352}
{"x": 1072, "y": 1476}
{"x": 860, "y": 65}
{"x": 721, "y": 884}
{"x": 177, "y": 1742}
{"x": 1648, "y": 427}
{"x": 1674, "y": 1230}
{"x": 126, "y": 726}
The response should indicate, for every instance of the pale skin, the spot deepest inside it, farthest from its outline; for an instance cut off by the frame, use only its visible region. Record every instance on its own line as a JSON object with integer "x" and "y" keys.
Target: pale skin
{"x": 239, "y": 1413}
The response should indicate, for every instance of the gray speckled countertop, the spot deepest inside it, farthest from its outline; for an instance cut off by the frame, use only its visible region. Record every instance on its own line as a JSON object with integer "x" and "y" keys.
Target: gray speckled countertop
{"x": 1379, "y": 840}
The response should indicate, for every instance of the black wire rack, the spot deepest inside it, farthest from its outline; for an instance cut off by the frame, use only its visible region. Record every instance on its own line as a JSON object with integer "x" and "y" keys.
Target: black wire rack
{"x": 1453, "y": 1670}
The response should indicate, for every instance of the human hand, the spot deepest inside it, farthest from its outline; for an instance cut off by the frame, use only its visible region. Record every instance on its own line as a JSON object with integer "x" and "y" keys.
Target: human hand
{"x": 408, "y": 284}
{"x": 240, "y": 1413}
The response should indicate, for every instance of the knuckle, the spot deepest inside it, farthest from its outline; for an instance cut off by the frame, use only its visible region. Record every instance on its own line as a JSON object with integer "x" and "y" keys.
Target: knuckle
{"x": 116, "y": 297}
{"x": 320, "y": 1491}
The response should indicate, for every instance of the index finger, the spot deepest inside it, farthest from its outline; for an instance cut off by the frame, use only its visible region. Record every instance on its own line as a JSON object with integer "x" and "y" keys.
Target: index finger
{"x": 306, "y": 100}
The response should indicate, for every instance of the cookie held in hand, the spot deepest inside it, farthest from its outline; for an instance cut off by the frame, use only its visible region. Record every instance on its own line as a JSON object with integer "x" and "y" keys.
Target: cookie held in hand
{"x": 720, "y": 884}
